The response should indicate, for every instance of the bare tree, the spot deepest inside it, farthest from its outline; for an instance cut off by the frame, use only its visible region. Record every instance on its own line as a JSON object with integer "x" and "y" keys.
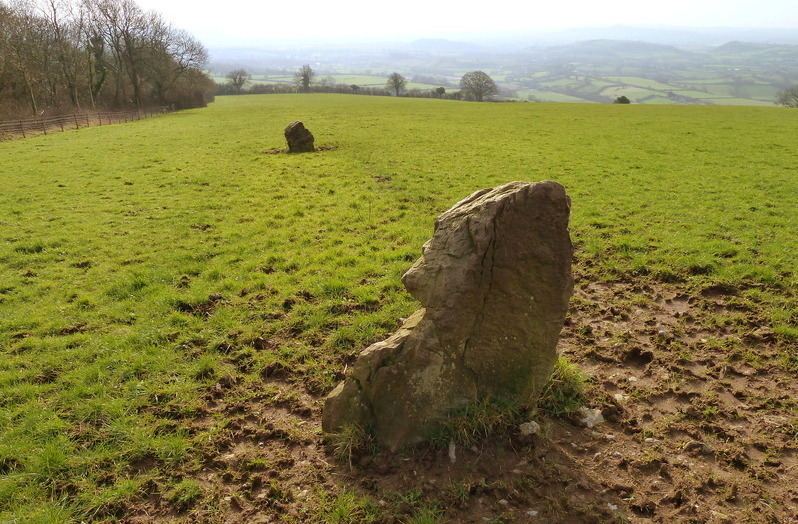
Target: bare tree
{"x": 238, "y": 79}
{"x": 56, "y": 53}
{"x": 173, "y": 56}
{"x": 304, "y": 77}
{"x": 28, "y": 51}
{"x": 788, "y": 97}
{"x": 396, "y": 83}
{"x": 5, "y": 30}
{"x": 66, "y": 26}
{"x": 478, "y": 85}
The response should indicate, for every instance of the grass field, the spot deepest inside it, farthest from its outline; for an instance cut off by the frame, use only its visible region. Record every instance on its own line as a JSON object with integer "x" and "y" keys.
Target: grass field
{"x": 547, "y": 96}
{"x": 640, "y": 82}
{"x": 155, "y": 272}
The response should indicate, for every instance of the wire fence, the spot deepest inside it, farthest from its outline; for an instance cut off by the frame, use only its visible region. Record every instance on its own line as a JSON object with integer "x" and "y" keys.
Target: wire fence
{"x": 45, "y": 125}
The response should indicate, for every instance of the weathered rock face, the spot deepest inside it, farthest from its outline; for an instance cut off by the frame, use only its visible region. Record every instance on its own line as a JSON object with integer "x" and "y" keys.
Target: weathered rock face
{"x": 299, "y": 138}
{"x": 494, "y": 283}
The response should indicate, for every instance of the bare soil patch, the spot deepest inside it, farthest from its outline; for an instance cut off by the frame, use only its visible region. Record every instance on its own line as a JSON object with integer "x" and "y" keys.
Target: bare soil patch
{"x": 700, "y": 426}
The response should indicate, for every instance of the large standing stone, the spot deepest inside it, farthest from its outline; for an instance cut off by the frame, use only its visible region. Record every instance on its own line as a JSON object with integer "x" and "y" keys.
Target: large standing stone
{"x": 299, "y": 138}
{"x": 494, "y": 283}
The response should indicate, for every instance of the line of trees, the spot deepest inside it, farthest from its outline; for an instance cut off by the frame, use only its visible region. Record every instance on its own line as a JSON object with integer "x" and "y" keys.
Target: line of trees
{"x": 348, "y": 89}
{"x": 64, "y": 55}
{"x": 475, "y": 85}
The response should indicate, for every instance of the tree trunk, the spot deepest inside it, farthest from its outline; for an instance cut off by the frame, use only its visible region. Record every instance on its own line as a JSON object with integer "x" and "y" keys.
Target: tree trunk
{"x": 31, "y": 95}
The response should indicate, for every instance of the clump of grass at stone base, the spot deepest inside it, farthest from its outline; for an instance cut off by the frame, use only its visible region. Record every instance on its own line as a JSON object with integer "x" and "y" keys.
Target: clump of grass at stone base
{"x": 351, "y": 441}
{"x": 563, "y": 394}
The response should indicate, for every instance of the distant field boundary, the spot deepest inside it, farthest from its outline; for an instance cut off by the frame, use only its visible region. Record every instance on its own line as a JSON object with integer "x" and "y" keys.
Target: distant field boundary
{"x": 45, "y": 125}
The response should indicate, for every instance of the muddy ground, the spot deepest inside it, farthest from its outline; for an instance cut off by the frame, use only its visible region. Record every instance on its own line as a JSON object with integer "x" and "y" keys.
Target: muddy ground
{"x": 700, "y": 426}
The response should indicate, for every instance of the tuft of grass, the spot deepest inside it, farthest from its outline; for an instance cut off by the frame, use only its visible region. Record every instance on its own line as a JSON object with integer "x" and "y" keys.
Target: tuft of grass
{"x": 185, "y": 494}
{"x": 428, "y": 514}
{"x": 472, "y": 423}
{"x": 565, "y": 390}
{"x": 564, "y": 393}
{"x": 350, "y": 442}
{"x": 347, "y": 508}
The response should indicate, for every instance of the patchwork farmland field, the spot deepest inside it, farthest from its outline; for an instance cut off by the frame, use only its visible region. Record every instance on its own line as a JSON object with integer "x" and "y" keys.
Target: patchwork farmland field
{"x": 177, "y": 296}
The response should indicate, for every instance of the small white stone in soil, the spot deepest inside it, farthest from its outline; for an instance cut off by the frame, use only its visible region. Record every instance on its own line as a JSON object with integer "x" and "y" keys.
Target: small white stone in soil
{"x": 612, "y": 507}
{"x": 452, "y": 452}
{"x": 529, "y": 428}
{"x": 503, "y": 502}
{"x": 591, "y": 417}
{"x": 619, "y": 397}
{"x": 632, "y": 379}
{"x": 532, "y": 513}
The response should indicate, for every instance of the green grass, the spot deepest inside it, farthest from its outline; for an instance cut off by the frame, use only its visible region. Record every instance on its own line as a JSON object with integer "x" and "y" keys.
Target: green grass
{"x": 657, "y": 100}
{"x": 632, "y": 92}
{"x": 139, "y": 263}
{"x": 732, "y": 101}
{"x": 565, "y": 391}
{"x": 640, "y": 82}
{"x": 549, "y": 96}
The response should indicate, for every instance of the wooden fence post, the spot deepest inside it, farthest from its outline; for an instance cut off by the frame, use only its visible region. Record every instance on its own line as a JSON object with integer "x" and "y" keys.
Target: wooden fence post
{"x": 87, "y": 120}
{"x": 61, "y": 121}
{"x": 77, "y": 126}
{"x": 22, "y": 128}
{"x": 41, "y": 121}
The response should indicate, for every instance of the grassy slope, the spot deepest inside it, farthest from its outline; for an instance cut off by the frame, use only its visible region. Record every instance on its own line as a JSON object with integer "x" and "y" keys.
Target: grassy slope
{"x": 141, "y": 262}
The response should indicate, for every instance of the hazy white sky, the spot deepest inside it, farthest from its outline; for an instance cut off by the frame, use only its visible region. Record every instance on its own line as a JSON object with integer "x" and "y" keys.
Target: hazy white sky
{"x": 239, "y": 21}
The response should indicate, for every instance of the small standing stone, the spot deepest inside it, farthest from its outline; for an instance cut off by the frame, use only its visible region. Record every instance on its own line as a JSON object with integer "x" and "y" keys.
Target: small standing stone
{"x": 299, "y": 138}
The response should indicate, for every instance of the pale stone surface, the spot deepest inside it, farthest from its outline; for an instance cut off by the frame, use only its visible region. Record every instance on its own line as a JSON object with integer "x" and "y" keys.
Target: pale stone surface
{"x": 494, "y": 283}
{"x": 299, "y": 138}
{"x": 529, "y": 428}
{"x": 590, "y": 417}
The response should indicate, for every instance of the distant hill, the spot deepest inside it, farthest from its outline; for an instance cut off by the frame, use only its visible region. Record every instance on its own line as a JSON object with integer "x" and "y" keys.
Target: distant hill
{"x": 442, "y": 45}
{"x": 619, "y": 49}
{"x": 611, "y": 52}
{"x": 740, "y": 47}
{"x": 681, "y": 37}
